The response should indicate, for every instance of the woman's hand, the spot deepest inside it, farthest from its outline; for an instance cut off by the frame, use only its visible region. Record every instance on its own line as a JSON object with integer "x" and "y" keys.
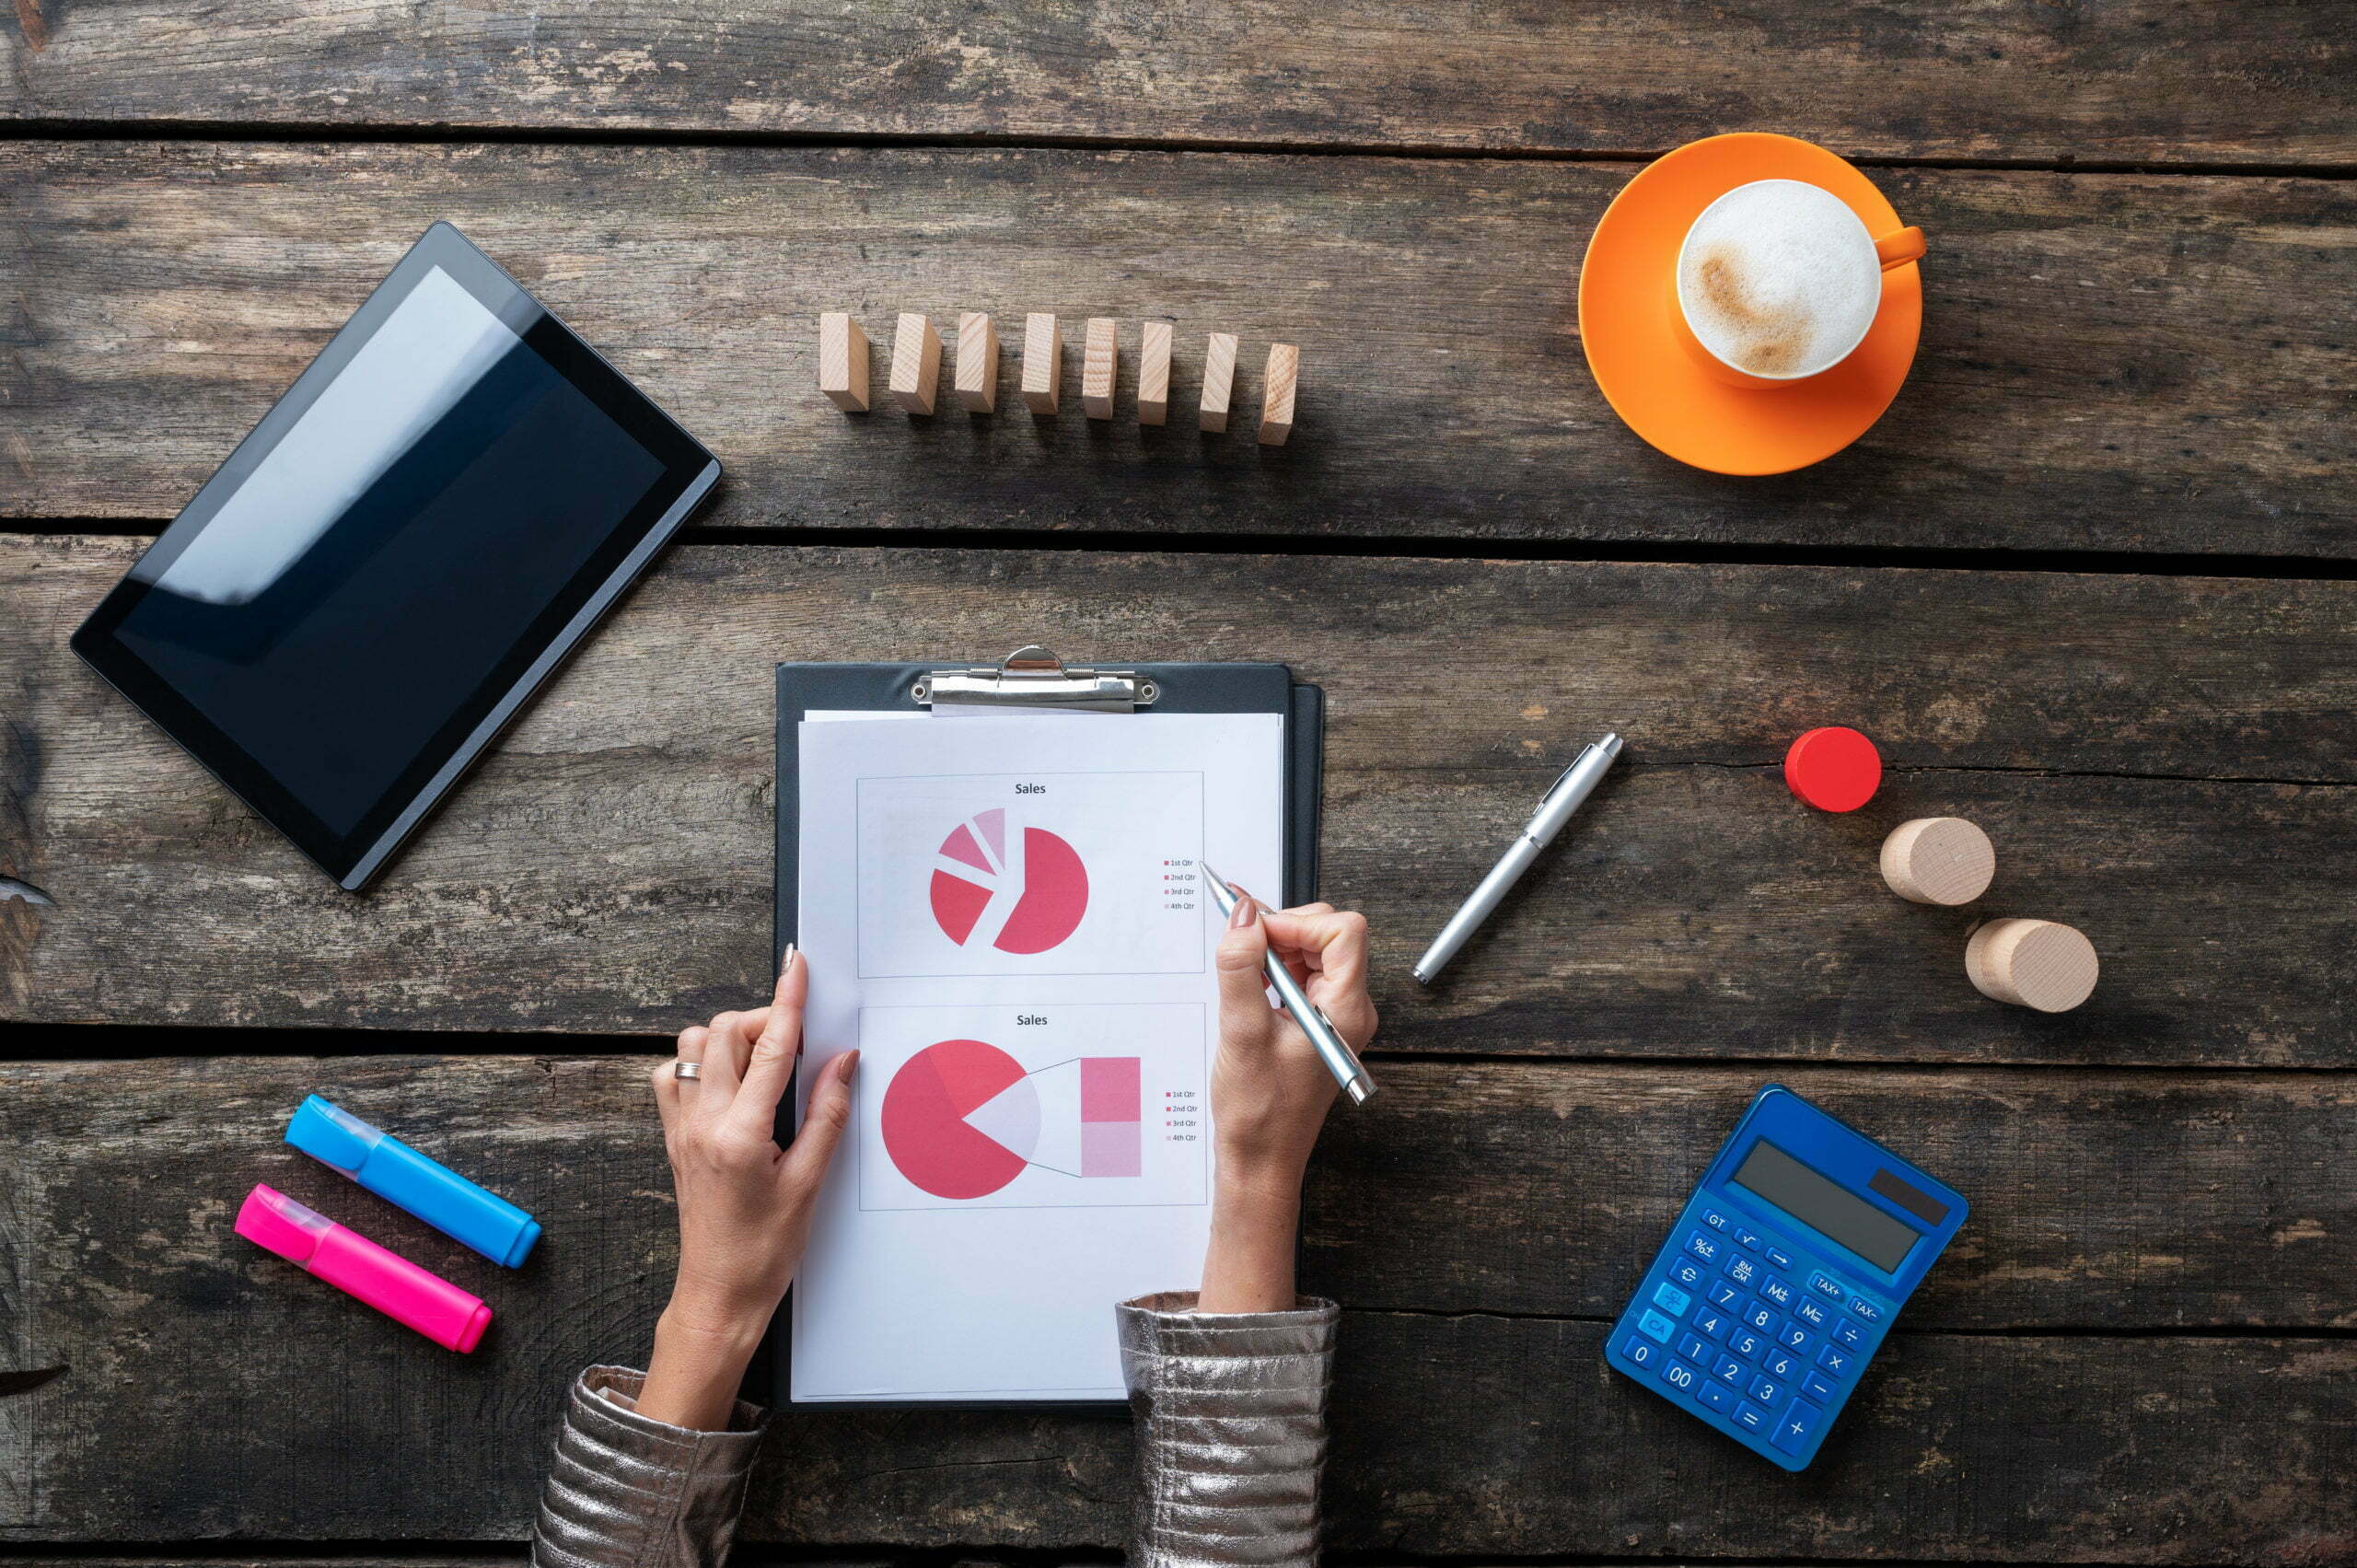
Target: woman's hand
{"x": 745, "y": 1204}
{"x": 1271, "y": 1089}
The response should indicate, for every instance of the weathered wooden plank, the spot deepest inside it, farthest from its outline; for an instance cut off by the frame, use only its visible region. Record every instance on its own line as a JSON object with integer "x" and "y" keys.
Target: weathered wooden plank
{"x": 2142, "y": 80}
{"x": 2109, "y": 362}
{"x": 1455, "y": 1432}
{"x": 608, "y": 868}
{"x": 2099, "y": 1201}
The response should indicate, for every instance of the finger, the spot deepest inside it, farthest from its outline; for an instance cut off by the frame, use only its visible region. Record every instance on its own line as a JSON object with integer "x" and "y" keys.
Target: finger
{"x": 1243, "y": 1014}
{"x": 1334, "y": 947}
{"x": 723, "y": 1060}
{"x": 666, "y": 1080}
{"x": 770, "y": 1067}
{"x": 823, "y": 1120}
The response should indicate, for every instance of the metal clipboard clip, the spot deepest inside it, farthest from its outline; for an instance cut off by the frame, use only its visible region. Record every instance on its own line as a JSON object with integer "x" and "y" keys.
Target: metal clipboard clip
{"x": 1034, "y": 678}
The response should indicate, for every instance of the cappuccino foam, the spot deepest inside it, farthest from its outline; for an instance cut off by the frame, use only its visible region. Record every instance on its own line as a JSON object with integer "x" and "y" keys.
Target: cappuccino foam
{"x": 1779, "y": 278}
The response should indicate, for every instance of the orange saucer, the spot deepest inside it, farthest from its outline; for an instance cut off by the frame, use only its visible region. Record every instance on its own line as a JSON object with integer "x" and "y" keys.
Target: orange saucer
{"x": 1656, "y": 386}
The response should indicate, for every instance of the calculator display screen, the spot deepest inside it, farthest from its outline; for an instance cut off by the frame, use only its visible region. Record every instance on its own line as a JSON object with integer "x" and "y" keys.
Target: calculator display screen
{"x": 1825, "y": 1205}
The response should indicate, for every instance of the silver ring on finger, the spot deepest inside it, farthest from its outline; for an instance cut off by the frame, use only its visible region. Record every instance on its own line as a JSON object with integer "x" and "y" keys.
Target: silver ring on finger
{"x": 685, "y": 1071}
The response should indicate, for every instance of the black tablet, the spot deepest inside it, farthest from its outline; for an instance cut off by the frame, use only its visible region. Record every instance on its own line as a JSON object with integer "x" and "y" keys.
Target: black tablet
{"x": 402, "y": 552}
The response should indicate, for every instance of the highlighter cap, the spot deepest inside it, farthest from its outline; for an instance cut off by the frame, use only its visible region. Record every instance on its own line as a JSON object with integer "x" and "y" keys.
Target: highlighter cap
{"x": 270, "y": 1219}
{"x": 332, "y": 1135}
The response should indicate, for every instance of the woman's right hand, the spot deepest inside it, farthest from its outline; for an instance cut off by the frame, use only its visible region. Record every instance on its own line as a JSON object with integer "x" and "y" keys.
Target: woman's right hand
{"x": 1271, "y": 1090}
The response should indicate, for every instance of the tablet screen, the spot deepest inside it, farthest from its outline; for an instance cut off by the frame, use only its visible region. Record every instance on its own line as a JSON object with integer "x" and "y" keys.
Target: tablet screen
{"x": 352, "y": 605}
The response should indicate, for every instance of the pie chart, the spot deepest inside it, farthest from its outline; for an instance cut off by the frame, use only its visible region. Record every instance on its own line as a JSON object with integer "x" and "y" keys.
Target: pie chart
{"x": 1049, "y": 884}
{"x": 925, "y": 1130}
{"x": 961, "y": 1118}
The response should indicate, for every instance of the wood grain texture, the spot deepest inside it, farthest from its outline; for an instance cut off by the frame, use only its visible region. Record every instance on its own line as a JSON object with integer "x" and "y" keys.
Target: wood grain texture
{"x": 2141, "y": 80}
{"x": 1100, "y": 359}
{"x": 1457, "y": 1432}
{"x": 616, "y": 846}
{"x": 1043, "y": 363}
{"x": 2109, "y": 362}
{"x": 843, "y": 361}
{"x": 916, "y": 362}
{"x": 1278, "y": 385}
{"x": 1218, "y": 382}
{"x": 977, "y": 362}
{"x": 1153, "y": 372}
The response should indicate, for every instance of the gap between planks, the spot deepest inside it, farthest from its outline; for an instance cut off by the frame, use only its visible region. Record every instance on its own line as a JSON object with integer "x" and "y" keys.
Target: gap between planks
{"x": 171, "y": 129}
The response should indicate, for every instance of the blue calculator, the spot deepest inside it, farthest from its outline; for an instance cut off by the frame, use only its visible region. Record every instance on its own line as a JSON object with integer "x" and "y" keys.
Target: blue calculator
{"x": 1776, "y": 1285}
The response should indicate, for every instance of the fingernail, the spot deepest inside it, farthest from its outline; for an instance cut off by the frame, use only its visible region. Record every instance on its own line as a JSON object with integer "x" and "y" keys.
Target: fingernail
{"x": 787, "y": 967}
{"x": 849, "y": 1060}
{"x": 1246, "y": 910}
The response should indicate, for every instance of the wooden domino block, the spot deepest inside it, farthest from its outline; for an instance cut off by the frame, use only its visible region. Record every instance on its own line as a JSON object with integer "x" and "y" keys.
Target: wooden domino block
{"x": 1153, "y": 372}
{"x": 1219, "y": 380}
{"x": 1043, "y": 352}
{"x": 1276, "y": 393}
{"x": 843, "y": 362}
{"x": 1938, "y": 860}
{"x": 1100, "y": 360}
{"x": 977, "y": 362}
{"x": 916, "y": 362}
{"x": 2031, "y": 963}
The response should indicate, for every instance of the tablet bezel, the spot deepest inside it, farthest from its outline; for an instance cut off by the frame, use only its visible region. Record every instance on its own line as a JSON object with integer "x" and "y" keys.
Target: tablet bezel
{"x": 689, "y": 474}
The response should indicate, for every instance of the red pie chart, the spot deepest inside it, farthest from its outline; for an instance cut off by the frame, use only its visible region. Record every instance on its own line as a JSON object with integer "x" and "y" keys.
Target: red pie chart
{"x": 1053, "y": 886}
{"x": 925, "y": 1130}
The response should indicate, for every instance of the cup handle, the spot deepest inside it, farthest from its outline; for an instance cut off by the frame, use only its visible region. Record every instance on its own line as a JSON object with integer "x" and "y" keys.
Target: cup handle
{"x": 1898, "y": 250}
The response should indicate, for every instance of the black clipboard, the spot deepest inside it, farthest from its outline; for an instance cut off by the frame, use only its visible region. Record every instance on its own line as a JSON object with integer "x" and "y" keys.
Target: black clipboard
{"x": 1030, "y": 679}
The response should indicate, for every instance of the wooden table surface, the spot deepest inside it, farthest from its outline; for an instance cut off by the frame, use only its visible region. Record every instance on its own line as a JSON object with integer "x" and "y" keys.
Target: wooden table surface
{"x": 2089, "y": 583}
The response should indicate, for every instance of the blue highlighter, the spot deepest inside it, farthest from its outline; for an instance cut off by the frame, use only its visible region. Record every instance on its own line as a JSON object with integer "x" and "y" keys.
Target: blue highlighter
{"x": 399, "y": 1175}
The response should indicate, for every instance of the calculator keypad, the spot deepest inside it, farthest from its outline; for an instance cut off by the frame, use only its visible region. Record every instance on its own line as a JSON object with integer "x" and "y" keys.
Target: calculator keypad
{"x": 1747, "y": 1331}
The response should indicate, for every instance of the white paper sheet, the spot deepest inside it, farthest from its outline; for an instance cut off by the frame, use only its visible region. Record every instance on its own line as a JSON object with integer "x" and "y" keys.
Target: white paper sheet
{"x": 1007, "y": 916}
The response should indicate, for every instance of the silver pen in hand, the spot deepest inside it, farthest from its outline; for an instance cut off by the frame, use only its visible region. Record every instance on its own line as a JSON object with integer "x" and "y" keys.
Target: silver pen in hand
{"x": 1571, "y": 791}
{"x": 1332, "y": 1049}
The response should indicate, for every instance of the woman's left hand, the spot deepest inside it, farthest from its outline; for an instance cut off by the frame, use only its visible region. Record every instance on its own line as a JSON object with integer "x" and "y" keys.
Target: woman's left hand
{"x": 745, "y": 1204}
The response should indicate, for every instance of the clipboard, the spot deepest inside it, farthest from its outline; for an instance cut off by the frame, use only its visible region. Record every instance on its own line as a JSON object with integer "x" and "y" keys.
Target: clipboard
{"x": 1030, "y": 681}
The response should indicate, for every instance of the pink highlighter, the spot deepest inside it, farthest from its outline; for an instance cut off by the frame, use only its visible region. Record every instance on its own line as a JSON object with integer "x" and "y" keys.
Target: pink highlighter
{"x": 358, "y": 1267}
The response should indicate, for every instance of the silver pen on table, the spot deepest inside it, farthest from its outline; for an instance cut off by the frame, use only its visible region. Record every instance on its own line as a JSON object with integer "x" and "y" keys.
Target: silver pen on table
{"x": 1570, "y": 792}
{"x": 1340, "y": 1059}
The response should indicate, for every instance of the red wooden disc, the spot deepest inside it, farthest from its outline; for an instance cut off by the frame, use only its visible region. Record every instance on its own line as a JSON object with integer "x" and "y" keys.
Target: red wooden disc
{"x": 1833, "y": 769}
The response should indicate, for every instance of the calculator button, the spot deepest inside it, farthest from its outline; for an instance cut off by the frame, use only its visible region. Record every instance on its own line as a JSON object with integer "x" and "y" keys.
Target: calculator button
{"x": 1642, "y": 1351}
{"x": 1826, "y": 1288}
{"x": 1778, "y": 1290}
{"x": 1767, "y": 1391}
{"x": 1779, "y": 1258}
{"x": 1686, "y": 1272}
{"x": 1748, "y": 1239}
{"x": 1797, "y": 1339}
{"x": 1797, "y": 1426}
{"x": 1865, "y": 1311}
{"x": 1811, "y": 1313}
{"x": 1714, "y": 1219}
{"x": 1817, "y": 1386}
{"x": 1671, "y": 1299}
{"x": 1781, "y": 1364}
{"x": 1834, "y": 1359}
{"x": 1681, "y": 1377}
{"x": 1761, "y": 1316}
{"x": 1717, "y": 1398}
{"x": 1747, "y": 1345}
{"x": 1848, "y": 1333}
{"x": 1724, "y": 1294}
{"x": 1727, "y": 1370}
{"x": 1711, "y": 1325}
{"x": 1743, "y": 1271}
{"x": 1655, "y": 1326}
{"x": 1751, "y": 1417}
{"x": 1692, "y": 1347}
{"x": 1706, "y": 1247}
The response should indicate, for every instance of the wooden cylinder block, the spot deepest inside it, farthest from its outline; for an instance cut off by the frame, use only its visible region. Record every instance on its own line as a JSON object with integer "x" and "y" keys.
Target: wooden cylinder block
{"x": 1938, "y": 860}
{"x": 2031, "y": 963}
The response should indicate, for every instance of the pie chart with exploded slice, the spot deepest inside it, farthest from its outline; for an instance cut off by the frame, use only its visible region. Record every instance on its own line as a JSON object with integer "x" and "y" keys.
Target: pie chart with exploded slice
{"x": 925, "y": 1130}
{"x": 1052, "y": 893}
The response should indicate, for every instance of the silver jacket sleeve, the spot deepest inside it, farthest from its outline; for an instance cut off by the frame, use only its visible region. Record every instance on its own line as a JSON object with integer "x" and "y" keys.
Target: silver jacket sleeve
{"x": 1231, "y": 1412}
{"x": 626, "y": 1491}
